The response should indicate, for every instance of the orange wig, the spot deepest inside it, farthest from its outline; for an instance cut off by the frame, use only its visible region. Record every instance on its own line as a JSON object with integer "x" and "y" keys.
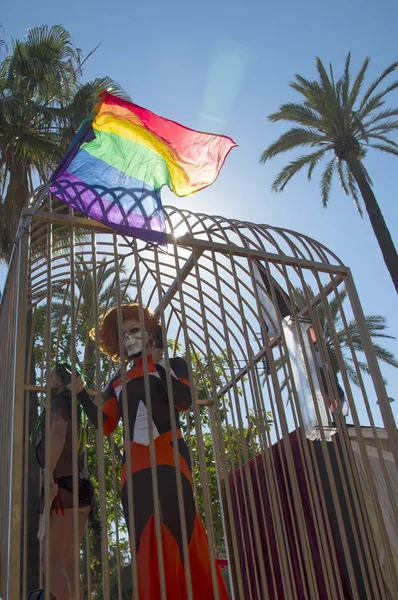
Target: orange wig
{"x": 108, "y": 330}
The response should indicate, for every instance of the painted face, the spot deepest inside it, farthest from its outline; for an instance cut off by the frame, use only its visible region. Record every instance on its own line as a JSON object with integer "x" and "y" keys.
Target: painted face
{"x": 133, "y": 342}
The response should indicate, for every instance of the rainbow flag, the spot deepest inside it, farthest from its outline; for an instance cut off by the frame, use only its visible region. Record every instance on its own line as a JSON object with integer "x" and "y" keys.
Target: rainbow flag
{"x": 121, "y": 157}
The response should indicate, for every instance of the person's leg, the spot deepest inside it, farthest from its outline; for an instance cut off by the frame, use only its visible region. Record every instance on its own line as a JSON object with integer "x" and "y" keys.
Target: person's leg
{"x": 60, "y": 526}
{"x": 143, "y": 502}
{"x": 83, "y": 514}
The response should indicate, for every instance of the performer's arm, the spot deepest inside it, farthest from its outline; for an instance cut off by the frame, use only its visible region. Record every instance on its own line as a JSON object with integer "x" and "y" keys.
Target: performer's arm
{"x": 110, "y": 411}
{"x": 179, "y": 381}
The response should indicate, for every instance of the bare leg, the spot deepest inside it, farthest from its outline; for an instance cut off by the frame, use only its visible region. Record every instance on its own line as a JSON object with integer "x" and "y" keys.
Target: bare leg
{"x": 69, "y": 554}
{"x": 60, "y": 527}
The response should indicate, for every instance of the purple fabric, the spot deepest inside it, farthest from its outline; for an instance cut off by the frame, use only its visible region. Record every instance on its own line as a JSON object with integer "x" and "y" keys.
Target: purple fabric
{"x": 239, "y": 491}
{"x": 116, "y": 210}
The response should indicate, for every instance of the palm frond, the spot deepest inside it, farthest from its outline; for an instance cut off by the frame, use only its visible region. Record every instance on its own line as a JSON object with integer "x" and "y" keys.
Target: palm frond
{"x": 45, "y": 61}
{"x": 54, "y": 38}
{"x": 384, "y": 128}
{"x": 326, "y": 84}
{"x": 85, "y": 98}
{"x": 297, "y": 113}
{"x": 334, "y": 304}
{"x": 10, "y": 104}
{"x": 328, "y": 101}
{"x": 297, "y": 136}
{"x": 376, "y": 83}
{"x": 311, "y": 92}
{"x": 357, "y": 85}
{"x": 353, "y": 188}
{"x": 377, "y": 324}
{"x": 294, "y": 167}
{"x": 385, "y": 355}
{"x": 385, "y": 148}
{"x": 358, "y": 128}
{"x": 108, "y": 293}
{"x": 375, "y": 101}
{"x": 300, "y": 296}
{"x": 306, "y": 86}
{"x": 351, "y": 338}
{"x": 351, "y": 371}
{"x": 384, "y": 114}
{"x": 385, "y": 139}
{"x": 341, "y": 174}
{"x": 363, "y": 366}
{"x": 332, "y": 75}
{"x": 316, "y": 157}
{"x": 326, "y": 181}
{"x": 345, "y": 82}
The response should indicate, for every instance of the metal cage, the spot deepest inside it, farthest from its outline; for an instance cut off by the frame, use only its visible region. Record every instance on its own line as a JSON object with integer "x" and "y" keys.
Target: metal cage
{"x": 298, "y": 500}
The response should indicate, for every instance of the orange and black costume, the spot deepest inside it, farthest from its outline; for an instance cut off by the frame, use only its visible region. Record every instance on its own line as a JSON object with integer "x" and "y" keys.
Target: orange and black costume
{"x": 144, "y": 517}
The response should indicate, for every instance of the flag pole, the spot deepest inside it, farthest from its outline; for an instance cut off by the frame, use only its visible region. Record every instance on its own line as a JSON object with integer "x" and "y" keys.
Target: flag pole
{"x": 34, "y": 202}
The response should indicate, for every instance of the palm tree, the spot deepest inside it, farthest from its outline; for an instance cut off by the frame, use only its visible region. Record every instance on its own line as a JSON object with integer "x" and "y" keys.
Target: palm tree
{"x": 34, "y": 78}
{"x": 42, "y": 102}
{"x": 333, "y": 121}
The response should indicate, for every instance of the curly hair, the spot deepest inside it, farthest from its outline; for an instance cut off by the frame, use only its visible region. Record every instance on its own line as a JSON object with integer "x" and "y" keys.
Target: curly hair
{"x": 108, "y": 330}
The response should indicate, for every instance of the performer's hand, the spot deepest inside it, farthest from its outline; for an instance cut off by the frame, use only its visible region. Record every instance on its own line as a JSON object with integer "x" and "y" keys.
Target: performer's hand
{"x": 53, "y": 486}
{"x": 157, "y": 352}
{"x": 80, "y": 385}
{"x": 157, "y": 337}
{"x": 53, "y": 489}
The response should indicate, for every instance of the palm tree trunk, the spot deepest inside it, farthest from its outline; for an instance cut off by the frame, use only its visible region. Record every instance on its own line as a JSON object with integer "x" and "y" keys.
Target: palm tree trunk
{"x": 378, "y": 223}
{"x": 10, "y": 211}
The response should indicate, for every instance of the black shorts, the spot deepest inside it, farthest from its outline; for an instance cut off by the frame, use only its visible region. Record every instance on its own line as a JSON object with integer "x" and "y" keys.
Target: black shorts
{"x": 64, "y": 499}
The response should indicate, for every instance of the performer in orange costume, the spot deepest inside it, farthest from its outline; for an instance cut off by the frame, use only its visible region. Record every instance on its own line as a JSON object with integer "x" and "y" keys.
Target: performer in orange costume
{"x": 144, "y": 513}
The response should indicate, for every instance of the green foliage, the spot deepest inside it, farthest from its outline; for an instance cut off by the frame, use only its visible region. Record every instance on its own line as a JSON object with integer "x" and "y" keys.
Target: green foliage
{"x": 43, "y": 99}
{"x": 333, "y": 119}
{"x": 125, "y": 575}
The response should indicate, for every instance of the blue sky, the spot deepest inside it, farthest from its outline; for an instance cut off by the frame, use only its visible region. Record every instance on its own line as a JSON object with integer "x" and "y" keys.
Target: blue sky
{"x": 222, "y": 66}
